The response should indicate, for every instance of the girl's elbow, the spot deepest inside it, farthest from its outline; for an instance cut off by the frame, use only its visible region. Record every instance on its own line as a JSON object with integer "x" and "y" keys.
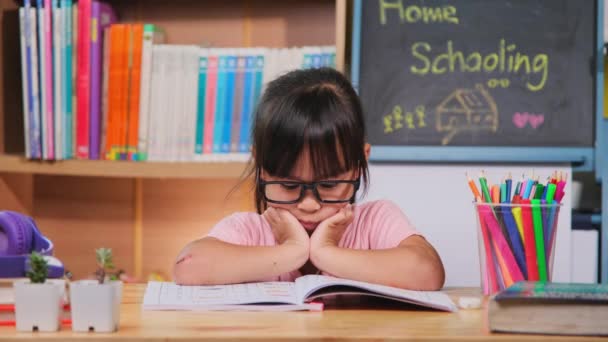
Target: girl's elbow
{"x": 431, "y": 274}
{"x": 436, "y": 276}
{"x": 190, "y": 271}
{"x": 183, "y": 274}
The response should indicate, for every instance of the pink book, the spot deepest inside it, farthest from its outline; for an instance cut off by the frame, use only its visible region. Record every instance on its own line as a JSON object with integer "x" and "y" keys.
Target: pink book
{"x": 48, "y": 61}
{"x": 83, "y": 74}
{"x": 210, "y": 104}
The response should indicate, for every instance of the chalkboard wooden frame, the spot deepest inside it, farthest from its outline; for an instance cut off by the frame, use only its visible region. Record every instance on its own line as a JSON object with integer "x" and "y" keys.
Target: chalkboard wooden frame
{"x": 583, "y": 158}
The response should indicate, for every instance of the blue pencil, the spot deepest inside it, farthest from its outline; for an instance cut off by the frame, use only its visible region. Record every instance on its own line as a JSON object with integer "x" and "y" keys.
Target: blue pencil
{"x": 508, "y": 181}
{"x": 528, "y": 188}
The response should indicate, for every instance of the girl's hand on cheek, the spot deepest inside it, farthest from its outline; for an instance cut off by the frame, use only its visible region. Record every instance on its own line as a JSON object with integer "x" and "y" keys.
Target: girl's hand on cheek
{"x": 330, "y": 231}
{"x": 286, "y": 228}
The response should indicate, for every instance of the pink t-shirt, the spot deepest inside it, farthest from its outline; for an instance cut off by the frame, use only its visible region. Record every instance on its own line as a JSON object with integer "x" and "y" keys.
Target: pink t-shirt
{"x": 376, "y": 225}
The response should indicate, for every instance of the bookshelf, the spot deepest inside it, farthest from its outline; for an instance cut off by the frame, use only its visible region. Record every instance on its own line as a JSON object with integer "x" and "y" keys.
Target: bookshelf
{"x": 147, "y": 211}
{"x": 104, "y": 168}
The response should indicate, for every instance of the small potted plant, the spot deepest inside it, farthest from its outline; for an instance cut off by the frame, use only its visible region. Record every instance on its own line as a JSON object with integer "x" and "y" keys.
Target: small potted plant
{"x": 38, "y": 301}
{"x": 96, "y": 303}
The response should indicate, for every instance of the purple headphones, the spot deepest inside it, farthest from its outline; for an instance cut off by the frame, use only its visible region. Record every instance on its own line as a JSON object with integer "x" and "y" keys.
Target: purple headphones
{"x": 19, "y": 236}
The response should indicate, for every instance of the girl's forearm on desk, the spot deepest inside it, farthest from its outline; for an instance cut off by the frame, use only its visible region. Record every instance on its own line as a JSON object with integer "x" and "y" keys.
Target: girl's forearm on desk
{"x": 209, "y": 261}
{"x": 412, "y": 265}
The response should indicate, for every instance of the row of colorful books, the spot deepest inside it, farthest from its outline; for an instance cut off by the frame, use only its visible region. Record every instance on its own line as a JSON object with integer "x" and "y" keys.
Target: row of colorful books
{"x": 97, "y": 89}
{"x": 201, "y": 100}
{"x": 61, "y": 67}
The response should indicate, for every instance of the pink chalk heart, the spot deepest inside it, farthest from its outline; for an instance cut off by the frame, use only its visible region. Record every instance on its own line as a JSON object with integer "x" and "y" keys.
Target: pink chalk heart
{"x": 520, "y": 119}
{"x": 536, "y": 120}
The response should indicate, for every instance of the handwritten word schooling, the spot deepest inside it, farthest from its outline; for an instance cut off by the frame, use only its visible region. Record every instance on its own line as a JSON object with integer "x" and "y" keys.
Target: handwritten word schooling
{"x": 505, "y": 60}
{"x": 415, "y": 14}
{"x": 397, "y": 120}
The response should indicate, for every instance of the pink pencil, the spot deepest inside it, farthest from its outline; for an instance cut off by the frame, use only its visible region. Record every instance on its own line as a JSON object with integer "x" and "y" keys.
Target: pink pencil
{"x": 490, "y": 285}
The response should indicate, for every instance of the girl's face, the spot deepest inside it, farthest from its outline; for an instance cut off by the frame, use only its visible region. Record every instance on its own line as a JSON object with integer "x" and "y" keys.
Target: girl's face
{"x": 309, "y": 210}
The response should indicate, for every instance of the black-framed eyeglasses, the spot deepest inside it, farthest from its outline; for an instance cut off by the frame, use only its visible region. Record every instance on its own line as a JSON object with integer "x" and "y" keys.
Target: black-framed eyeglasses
{"x": 326, "y": 191}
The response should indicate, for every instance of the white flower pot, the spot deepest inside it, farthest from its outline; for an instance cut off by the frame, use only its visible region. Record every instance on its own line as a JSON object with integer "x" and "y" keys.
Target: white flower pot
{"x": 39, "y": 306}
{"x": 95, "y": 307}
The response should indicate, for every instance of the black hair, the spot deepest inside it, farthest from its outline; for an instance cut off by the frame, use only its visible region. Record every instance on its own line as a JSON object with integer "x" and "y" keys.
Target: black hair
{"x": 313, "y": 109}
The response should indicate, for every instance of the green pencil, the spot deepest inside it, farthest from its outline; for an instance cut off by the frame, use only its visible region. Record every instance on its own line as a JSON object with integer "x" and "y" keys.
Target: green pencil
{"x": 550, "y": 192}
{"x": 484, "y": 188}
{"x": 537, "y": 219}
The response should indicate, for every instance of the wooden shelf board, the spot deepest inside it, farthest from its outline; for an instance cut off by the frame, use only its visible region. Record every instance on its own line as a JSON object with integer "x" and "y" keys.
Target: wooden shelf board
{"x": 124, "y": 169}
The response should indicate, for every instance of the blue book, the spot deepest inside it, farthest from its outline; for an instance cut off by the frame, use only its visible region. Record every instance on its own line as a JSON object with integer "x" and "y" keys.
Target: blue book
{"x": 326, "y": 58}
{"x": 237, "y": 100}
{"x": 258, "y": 79}
{"x": 220, "y": 97}
{"x": 68, "y": 131}
{"x": 42, "y": 74}
{"x": 247, "y": 107}
{"x": 228, "y": 102}
{"x": 317, "y": 60}
{"x": 33, "y": 129}
{"x": 200, "y": 106}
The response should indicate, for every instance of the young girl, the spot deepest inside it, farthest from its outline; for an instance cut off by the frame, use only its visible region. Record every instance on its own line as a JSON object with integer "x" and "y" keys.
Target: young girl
{"x": 309, "y": 159}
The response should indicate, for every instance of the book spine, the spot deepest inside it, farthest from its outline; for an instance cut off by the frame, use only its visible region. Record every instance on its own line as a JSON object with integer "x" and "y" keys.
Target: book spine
{"x": 114, "y": 89}
{"x": 156, "y": 101}
{"x": 200, "y": 109}
{"x": 36, "y": 142}
{"x": 74, "y": 80}
{"x": 135, "y": 60}
{"x": 228, "y": 102}
{"x": 257, "y": 88}
{"x": 66, "y": 6}
{"x": 25, "y": 83}
{"x": 48, "y": 61}
{"x": 192, "y": 73}
{"x": 173, "y": 116}
{"x": 123, "y": 103}
{"x": 102, "y": 16}
{"x": 218, "y": 129}
{"x": 83, "y": 75}
{"x": 58, "y": 78}
{"x": 210, "y": 101}
{"x": 145, "y": 89}
{"x": 238, "y": 99}
{"x": 105, "y": 93}
{"x": 42, "y": 83}
{"x": 247, "y": 107}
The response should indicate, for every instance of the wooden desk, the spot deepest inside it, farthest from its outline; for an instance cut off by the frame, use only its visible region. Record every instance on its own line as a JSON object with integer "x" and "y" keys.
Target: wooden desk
{"x": 337, "y": 325}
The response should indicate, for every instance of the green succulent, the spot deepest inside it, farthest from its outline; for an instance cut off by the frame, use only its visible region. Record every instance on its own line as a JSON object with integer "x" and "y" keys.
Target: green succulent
{"x": 104, "y": 263}
{"x": 38, "y": 268}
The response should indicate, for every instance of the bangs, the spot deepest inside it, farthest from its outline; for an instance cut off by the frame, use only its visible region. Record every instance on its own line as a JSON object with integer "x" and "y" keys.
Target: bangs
{"x": 312, "y": 123}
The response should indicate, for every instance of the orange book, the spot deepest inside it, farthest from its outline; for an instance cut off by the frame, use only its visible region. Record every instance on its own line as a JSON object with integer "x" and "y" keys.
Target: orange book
{"x": 136, "y": 42}
{"x": 115, "y": 85}
{"x": 123, "y": 105}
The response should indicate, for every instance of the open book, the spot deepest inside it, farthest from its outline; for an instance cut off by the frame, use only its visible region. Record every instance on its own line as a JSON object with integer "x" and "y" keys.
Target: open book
{"x": 279, "y": 296}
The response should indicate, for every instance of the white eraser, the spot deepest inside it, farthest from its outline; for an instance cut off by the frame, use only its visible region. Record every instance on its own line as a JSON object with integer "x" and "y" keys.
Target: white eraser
{"x": 469, "y": 302}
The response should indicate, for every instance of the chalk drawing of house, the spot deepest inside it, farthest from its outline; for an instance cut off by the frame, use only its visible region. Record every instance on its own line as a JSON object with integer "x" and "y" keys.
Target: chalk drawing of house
{"x": 466, "y": 110}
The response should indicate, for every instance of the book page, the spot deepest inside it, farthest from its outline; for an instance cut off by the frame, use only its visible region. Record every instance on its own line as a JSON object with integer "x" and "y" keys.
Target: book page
{"x": 166, "y": 295}
{"x": 306, "y": 287}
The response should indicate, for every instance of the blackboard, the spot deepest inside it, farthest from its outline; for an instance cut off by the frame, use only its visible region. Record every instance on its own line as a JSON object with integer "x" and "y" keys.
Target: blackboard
{"x": 478, "y": 72}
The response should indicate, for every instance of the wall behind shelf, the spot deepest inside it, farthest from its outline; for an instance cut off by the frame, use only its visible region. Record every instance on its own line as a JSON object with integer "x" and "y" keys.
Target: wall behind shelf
{"x": 80, "y": 214}
{"x": 234, "y": 23}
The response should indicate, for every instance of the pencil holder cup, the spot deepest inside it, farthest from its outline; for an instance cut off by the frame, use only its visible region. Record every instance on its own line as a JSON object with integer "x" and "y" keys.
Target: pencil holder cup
{"x": 516, "y": 242}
